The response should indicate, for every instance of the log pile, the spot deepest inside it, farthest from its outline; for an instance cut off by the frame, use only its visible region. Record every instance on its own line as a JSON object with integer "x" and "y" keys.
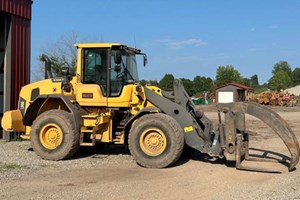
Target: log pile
{"x": 274, "y": 98}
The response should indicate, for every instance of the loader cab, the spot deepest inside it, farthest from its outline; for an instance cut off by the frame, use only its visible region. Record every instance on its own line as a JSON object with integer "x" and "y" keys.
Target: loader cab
{"x": 112, "y": 67}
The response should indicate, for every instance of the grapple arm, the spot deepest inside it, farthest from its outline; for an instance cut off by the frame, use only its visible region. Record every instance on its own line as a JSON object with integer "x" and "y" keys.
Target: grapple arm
{"x": 272, "y": 119}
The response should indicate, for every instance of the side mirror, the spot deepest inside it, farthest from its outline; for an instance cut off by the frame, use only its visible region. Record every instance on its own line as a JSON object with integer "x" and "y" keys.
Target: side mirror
{"x": 145, "y": 60}
{"x": 118, "y": 57}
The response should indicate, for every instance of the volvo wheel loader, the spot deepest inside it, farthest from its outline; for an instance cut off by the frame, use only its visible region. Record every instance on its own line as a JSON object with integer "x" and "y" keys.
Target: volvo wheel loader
{"x": 104, "y": 102}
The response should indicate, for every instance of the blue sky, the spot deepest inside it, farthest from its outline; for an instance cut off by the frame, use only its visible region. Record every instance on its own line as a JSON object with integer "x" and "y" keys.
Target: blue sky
{"x": 185, "y": 38}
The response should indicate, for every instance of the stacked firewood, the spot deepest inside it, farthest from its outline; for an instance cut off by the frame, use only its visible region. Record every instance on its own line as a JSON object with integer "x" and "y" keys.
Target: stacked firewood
{"x": 274, "y": 98}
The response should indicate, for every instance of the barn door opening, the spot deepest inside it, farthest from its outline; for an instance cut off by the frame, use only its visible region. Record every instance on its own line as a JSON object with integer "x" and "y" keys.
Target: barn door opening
{"x": 241, "y": 95}
{"x": 3, "y": 36}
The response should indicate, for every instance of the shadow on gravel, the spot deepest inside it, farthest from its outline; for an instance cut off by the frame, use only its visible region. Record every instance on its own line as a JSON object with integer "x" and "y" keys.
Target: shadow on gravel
{"x": 260, "y": 154}
{"x": 106, "y": 150}
{"x": 270, "y": 156}
{"x": 197, "y": 156}
{"x": 101, "y": 151}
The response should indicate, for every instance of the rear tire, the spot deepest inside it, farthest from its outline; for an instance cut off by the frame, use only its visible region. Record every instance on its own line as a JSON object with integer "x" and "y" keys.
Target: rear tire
{"x": 156, "y": 140}
{"x": 54, "y": 136}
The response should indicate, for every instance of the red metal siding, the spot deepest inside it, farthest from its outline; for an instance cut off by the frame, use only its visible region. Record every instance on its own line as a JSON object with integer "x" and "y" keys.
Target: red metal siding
{"x": 20, "y": 57}
{"x": 20, "y": 8}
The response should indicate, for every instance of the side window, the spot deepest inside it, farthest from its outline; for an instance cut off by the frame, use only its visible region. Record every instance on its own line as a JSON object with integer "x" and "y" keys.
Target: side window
{"x": 95, "y": 67}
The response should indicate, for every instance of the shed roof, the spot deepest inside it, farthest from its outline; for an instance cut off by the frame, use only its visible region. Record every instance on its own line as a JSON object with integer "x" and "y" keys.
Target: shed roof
{"x": 245, "y": 87}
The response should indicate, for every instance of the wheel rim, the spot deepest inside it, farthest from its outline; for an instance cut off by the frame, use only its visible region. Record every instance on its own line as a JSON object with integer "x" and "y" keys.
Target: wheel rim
{"x": 153, "y": 142}
{"x": 51, "y": 136}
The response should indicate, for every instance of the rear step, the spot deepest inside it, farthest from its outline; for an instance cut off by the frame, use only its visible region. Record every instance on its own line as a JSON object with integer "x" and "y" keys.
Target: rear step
{"x": 89, "y": 132}
{"x": 91, "y": 124}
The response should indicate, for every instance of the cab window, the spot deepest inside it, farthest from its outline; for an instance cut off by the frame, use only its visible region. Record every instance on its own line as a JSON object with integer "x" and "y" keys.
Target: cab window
{"x": 95, "y": 67}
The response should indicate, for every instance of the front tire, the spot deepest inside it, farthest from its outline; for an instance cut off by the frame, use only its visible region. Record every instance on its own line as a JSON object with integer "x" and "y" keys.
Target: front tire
{"x": 54, "y": 136}
{"x": 156, "y": 140}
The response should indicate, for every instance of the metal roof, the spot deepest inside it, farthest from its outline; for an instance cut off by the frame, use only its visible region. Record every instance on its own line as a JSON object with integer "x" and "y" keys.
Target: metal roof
{"x": 245, "y": 87}
{"x": 19, "y": 8}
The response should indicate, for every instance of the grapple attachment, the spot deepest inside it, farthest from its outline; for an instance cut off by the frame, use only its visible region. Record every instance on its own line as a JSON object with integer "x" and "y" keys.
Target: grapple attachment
{"x": 231, "y": 138}
{"x": 234, "y": 138}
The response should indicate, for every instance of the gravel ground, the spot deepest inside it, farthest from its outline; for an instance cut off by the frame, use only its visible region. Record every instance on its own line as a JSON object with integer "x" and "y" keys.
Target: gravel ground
{"x": 18, "y": 159}
{"x": 109, "y": 172}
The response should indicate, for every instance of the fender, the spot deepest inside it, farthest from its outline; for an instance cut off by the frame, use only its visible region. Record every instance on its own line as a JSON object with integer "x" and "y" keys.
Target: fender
{"x": 194, "y": 135}
{"x": 142, "y": 112}
{"x": 38, "y": 106}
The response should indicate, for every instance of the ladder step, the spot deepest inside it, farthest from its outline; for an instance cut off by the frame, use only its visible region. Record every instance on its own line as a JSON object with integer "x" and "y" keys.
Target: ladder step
{"x": 87, "y": 131}
{"x": 90, "y": 144}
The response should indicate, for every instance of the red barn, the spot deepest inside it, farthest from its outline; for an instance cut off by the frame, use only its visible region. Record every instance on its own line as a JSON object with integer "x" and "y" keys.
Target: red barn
{"x": 15, "y": 17}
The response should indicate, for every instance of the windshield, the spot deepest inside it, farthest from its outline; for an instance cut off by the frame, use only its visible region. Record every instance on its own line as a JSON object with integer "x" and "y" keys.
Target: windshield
{"x": 127, "y": 69}
{"x": 131, "y": 67}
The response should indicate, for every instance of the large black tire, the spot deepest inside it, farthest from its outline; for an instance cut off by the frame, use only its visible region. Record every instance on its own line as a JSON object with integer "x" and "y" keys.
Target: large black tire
{"x": 54, "y": 136}
{"x": 156, "y": 140}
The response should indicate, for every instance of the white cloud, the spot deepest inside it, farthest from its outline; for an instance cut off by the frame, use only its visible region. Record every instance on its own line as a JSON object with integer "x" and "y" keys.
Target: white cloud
{"x": 273, "y": 27}
{"x": 179, "y": 44}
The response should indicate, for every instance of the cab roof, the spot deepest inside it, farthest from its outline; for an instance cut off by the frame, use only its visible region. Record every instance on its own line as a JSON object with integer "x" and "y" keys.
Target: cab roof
{"x": 95, "y": 45}
{"x": 107, "y": 45}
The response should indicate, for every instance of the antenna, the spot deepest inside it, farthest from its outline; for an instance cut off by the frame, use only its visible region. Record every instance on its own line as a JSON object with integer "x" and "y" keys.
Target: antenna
{"x": 134, "y": 41}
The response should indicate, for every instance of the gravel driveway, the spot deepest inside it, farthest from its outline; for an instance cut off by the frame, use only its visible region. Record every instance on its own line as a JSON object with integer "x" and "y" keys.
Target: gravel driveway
{"x": 109, "y": 172}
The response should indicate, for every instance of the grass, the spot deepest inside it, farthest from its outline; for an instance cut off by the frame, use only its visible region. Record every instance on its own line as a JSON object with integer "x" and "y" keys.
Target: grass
{"x": 6, "y": 167}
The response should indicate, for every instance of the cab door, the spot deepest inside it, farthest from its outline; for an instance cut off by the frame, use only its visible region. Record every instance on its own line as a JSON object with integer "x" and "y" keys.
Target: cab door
{"x": 120, "y": 83}
{"x": 93, "y": 89}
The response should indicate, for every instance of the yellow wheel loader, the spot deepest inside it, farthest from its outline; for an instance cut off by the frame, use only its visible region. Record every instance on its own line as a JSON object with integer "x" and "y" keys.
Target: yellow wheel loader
{"x": 104, "y": 102}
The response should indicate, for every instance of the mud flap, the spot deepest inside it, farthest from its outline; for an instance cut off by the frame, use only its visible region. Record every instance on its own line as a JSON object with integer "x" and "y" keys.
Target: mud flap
{"x": 268, "y": 116}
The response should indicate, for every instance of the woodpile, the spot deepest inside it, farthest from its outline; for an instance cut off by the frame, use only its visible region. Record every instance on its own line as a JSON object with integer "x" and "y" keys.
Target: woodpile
{"x": 274, "y": 98}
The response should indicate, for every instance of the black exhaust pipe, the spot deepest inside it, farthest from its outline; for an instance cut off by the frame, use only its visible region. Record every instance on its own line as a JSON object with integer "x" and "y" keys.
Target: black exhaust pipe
{"x": 48, "y": 73}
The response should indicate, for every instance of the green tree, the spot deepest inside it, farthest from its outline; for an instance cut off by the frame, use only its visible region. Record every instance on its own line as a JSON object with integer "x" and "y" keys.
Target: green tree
{"x": 282, "y": 66}
{"x": 254, "y": 81}
{"x": 202, "y": 84}
{"x": 188, "y": 86}
{"x": 296, "y": 76}
{"x": 280, "y": 80}
{"x": 227, "y": 74}
{"x": 247, "y": 81}
{"x": 261, "y": 88}
{"x": 208, "y": 84}
{"x": 153, "y": 82}
{"x": 149, "y": 82}
{"x": 166, "y": 83}
{"x": 143, "y": 82}
{"x": 57, "y": 63}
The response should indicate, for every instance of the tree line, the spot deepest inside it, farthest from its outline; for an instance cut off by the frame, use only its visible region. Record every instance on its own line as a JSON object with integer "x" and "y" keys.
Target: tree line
{"x": 282, "y": 78}
{"x": 63, "y": 53}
